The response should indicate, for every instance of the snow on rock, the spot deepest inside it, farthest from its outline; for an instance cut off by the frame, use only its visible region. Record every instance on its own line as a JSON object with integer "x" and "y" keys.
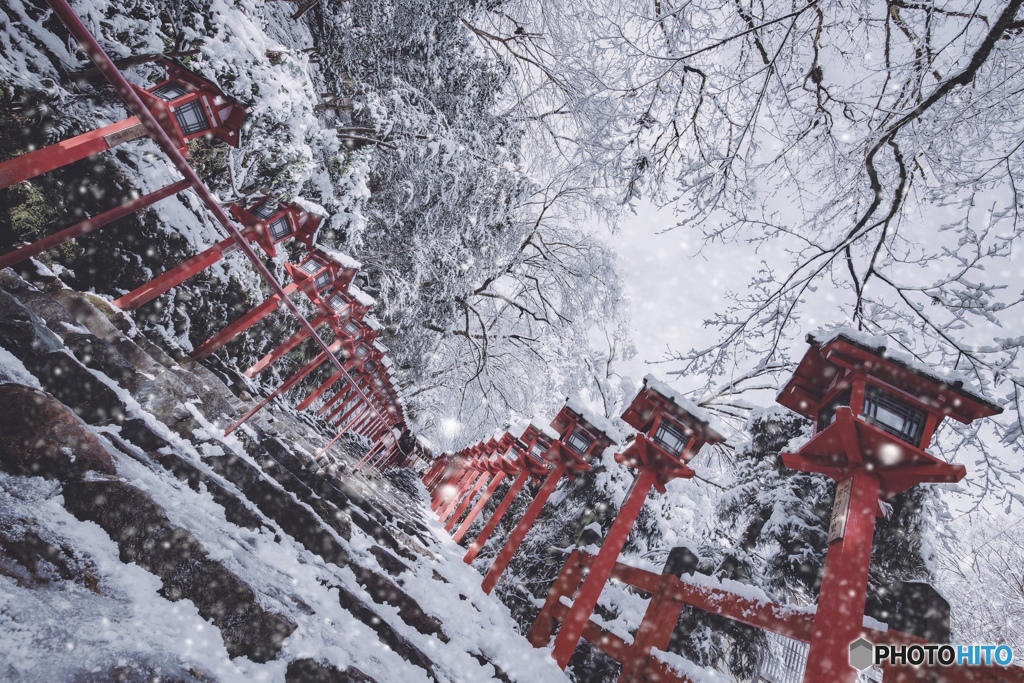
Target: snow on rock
{"x": 353, "y": 564}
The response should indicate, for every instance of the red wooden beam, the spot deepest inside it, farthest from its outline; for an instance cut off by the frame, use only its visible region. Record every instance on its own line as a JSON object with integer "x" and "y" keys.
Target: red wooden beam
{"x": 90, "y": 224}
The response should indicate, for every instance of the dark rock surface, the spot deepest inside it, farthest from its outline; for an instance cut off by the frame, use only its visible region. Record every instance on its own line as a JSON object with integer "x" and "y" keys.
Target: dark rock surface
{"x": 146, "y": 537}
{"x": 40, "y": 436}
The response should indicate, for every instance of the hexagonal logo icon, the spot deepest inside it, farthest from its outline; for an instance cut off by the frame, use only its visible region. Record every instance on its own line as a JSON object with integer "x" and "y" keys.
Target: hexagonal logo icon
{"x": 862, "y": 654}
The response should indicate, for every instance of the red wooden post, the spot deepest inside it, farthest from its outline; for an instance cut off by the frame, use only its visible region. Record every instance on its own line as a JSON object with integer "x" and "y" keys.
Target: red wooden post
{"x": 515, "y": 539}
{"x": 447, "y": 492}
{"x": 90, "y": 224}
{"x": 655, "y": 631}
{"x": 480, "y": 503}
{"x": 475, "y": 475}
{"x": 843, "y": 595}
{"x": 284, "y": 349}
{"x": 319, "y": 391}
{"x": 585, "y": 602}
{"x": 499, "y": 512}
{"x": 288, "y": 384}
{"x": 673, "y": 430}
{"x": 174, "y": 277}
{"x": 874, "y": 415}
{"x": 236, "y": 328}
{"x": 481, "y": 481}
{"x": 564, "y": 586}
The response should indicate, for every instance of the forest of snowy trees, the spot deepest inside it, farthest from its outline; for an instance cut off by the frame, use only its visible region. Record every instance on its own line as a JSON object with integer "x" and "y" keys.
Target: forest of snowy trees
{"x": 476, "y": 156}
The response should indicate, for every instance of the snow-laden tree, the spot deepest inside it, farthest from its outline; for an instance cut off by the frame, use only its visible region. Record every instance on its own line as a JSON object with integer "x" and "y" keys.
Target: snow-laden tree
{"x": 870, "y": 153}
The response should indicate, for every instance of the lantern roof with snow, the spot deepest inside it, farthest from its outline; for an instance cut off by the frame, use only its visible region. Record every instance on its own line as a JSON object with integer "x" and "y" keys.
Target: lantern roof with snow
{"x": 876, "y": 410}
{"x": 582, "y": 437}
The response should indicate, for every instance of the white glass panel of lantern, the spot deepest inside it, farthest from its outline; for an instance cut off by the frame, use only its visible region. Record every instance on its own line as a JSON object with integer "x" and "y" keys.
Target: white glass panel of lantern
{"x": 828, "y": 415}
{"x": 351, "y": 327}
{"x": 511, "y": 455}
{"x": 671, "y": 437}
{"x": 337, "y": 304}
{"x": 362, "y": 350}
{"x": 537, "y": 451}
{"x": 266, "y": 209}
{"x": 311, "y": 266}
{"x": 322, "y": 280}
{"x": 170, "y": 91}
{"x": 897, "y": 417}
{"x": 579, "y": 441}
{"x": 191, "y": 117}
{"x": 371, "y": 366}
{"x": 280, "y": 228}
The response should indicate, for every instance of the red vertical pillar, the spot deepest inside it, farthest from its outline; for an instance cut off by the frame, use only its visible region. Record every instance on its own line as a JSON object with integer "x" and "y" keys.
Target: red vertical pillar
{"x": 655, "y": 630}
{"x": 173, "y": 277}
{"x": 564, "y": 586}
{"x": 515, "y": 539}
{"x": 319, "y": 391}
{"x": 499, "y": 512}
{"x": 488, "y": 492}
{"x": 840, "y": 615}
{"x": 459, "y": 496}
{"x": 90, "y": 224}
{"x": 241, "y": 325}
{"x": 445, "y": 493}
{"x": 583, "y": 606}
{"x": 457, "y": 515}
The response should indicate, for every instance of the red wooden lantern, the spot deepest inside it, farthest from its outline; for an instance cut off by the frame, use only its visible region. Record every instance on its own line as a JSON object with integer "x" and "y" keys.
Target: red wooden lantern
{"x": 269, "y": 223}
{"x": 185, "y": 104}
{"x": 672, "y": 429}
{"x": 875, "y": 411}
{"x": 315, "y": 272}
{"x": 580, "y": 440}
{"x": 536, "y": 440}
{"x": 200, "y": 94}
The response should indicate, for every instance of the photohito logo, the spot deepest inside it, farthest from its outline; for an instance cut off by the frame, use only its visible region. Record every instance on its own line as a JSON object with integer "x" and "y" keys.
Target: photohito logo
{"x": 864, "y": 654}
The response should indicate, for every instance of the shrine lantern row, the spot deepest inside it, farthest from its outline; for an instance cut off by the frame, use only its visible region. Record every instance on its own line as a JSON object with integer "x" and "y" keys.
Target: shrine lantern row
{"x": 874, "y": 413}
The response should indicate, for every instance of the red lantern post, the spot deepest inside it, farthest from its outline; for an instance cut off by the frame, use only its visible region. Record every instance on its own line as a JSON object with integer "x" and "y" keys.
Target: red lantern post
{"x": 579, "y": 442}
{"x": 875, "y": 411}
{"x": 186, "y": 106}
{"x": 314, "y": 273}
{"x": 487, "y": 472}
{"x": 268, "y": 224}
{"x": 672, "y": 430}
{"x": 536, "y": 441}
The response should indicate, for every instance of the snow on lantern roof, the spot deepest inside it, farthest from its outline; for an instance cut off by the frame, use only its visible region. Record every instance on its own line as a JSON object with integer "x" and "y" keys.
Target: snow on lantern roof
{"x": 610, "y": 429}
{"x": 712, "y": 427}
{"x": 340, "y": 257}
{"x": 380, "y": 347}
{"x": 544, "y": 429}
{"x": 814, "y": 374}
{"x": 362, "y": 297}
{"x": 372, "y": 322}
{"x": 386, "y": 362}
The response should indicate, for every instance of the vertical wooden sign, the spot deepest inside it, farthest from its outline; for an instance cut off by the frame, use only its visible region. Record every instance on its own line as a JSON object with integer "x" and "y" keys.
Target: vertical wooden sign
{"x": 840, "y": 510}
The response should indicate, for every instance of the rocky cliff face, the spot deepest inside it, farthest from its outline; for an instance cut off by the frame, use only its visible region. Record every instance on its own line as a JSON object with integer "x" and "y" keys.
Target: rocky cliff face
{"x": 137, "y": 542}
